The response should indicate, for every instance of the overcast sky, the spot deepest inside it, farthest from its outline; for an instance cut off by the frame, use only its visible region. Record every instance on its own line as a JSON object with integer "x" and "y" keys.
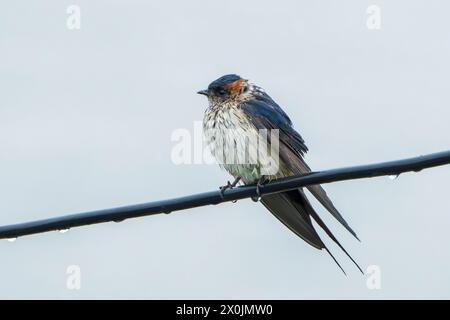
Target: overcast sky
{"x": 86, "y": 118}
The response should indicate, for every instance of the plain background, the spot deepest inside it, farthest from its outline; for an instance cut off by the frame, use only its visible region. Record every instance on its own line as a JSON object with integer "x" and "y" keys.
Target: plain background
{"x": 86, "y": 118}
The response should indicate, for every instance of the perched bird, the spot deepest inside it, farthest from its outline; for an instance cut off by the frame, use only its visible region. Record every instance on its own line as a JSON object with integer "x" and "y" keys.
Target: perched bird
{"x": 234, "y": 124}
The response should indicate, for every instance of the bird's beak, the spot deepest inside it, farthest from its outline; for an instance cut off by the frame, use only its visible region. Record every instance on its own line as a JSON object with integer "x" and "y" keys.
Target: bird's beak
{"x": 204, "y": 92}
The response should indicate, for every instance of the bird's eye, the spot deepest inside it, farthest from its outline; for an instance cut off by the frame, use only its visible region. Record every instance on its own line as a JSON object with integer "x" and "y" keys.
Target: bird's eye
{"x": 222, "y": 92}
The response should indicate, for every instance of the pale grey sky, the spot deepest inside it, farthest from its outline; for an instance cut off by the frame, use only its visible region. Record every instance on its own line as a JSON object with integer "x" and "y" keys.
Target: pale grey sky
{"x": 86, "y": 118}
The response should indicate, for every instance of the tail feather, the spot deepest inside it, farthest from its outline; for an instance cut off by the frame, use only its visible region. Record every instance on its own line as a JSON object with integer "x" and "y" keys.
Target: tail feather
{"x": 293, "y": 209}
{"x": 335, "y": 260}
{"x": 293, "y": 217}
{"x": 299, "y": 167}
{"x": 322, "y": 224}
{"x": 320, "y": 194}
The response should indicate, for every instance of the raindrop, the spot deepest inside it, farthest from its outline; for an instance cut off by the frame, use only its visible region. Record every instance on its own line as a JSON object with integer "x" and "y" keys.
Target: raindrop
{"x": 394, "y": 176}
{"x": 233, "y": 201}
{"x": 11, "y": 239}
{"x": 256, "y": 199}
{"x": 63, "y": 230}
{"x": 165, "y": 210}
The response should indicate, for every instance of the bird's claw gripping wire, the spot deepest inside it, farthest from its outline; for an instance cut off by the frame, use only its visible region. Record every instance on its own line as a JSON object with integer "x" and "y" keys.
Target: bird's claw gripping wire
{"x": 259, "y": 186}
{"x": 229, "y": 185}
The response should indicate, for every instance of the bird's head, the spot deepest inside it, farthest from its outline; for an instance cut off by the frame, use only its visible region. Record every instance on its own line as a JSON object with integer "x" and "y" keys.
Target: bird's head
{"x": 228, "y": 87}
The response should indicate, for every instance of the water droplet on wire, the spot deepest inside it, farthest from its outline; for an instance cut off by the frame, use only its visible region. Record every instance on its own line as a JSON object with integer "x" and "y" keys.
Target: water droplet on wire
{"x": 11, "y": 239}
{"x": 63, "y": 230}
{"x": 394, "y": 176}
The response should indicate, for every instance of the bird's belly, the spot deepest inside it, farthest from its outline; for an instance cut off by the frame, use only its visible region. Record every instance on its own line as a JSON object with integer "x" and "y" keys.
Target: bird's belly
{"x": 233, "y": 141}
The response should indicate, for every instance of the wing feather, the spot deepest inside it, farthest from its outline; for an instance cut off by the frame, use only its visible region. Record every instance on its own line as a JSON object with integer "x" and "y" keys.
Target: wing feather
{"x": 264, "y": 113}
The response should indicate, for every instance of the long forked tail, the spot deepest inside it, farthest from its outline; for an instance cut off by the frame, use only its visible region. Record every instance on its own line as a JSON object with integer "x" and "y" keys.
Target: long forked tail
{"x": 293, "y": 209}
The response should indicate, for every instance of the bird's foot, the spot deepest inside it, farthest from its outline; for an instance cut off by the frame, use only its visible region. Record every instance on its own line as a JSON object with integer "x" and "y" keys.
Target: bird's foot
{"x": 229, "y": 185}
{"x": 259, "y": 186}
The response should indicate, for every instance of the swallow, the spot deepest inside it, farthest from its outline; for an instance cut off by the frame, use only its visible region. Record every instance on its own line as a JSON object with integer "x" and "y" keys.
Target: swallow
{"x": 237, "y": 114}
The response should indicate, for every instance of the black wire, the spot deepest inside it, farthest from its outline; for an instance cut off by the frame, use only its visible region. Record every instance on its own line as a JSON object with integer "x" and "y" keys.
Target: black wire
{"x": 214, "y": 197}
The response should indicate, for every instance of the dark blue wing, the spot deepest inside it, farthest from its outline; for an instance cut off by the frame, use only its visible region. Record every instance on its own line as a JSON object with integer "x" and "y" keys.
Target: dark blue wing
{"x": 264, "y": 113}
